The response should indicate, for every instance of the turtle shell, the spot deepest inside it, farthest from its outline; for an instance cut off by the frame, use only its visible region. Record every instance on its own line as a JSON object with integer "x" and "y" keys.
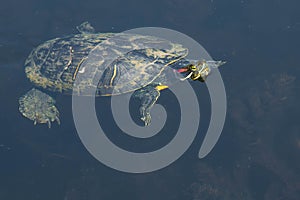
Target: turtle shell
{"x": 108, "y": 63}
{"x": 39, "y": 107}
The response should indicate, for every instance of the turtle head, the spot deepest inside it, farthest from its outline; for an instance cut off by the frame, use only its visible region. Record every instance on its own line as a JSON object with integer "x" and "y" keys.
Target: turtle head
{"x": 200, "y": 70}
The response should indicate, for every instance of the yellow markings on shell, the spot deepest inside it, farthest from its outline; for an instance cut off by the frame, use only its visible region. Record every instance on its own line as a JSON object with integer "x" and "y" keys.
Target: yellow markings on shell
{"x": 173, "y": 61}
{"x": 114, "y": 75}
{"x": 161, "y": 87}
{"x": 70, "y": 59}
{"x": 107, "y": 95}
{"x": 157, "y": 53}
{"x": 33, "y": 73}
{"x": 77, "y": 68}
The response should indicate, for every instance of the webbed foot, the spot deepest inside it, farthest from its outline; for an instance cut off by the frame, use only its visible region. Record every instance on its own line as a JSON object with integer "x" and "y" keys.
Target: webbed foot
{"x": 146, "y": 117}
{"x": 39, "y": 107}
{"x": 148, "y": 96}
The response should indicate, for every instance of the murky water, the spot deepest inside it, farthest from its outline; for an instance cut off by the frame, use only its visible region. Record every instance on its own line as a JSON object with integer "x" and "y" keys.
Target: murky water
{"x": 257, "y": 156}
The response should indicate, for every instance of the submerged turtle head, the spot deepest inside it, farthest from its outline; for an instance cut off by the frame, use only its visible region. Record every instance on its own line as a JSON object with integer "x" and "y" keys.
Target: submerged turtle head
{"x": 200, "y": 70}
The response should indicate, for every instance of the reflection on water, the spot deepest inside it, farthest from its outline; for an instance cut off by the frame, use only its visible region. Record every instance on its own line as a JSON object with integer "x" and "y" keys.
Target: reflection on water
{"x": 257, "y": 155}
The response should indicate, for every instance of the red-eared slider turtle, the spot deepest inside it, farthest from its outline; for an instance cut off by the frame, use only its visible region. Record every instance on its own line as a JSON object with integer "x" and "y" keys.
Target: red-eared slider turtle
{"x": 55, "y": 64}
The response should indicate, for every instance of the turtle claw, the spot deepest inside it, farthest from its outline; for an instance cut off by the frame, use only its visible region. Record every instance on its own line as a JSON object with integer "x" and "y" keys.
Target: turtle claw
{"x": 148, "y": 96}
{"x": 147, "y": 120}
{"x": 57, "y": 120}
{"x": 49, "y": 123}
{"x": 146, "y": 117}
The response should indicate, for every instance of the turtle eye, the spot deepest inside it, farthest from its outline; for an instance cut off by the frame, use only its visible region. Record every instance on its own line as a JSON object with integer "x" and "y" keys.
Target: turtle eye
{"x": 193, "y": 67}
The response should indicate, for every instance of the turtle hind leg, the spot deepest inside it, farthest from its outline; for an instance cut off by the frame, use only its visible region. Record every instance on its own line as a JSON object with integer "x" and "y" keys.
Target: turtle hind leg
{"x": 39, "y": 107}
{"x": 148, "y": 96}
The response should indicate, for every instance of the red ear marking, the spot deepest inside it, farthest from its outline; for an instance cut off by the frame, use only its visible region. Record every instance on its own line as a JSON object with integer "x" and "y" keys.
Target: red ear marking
{"x": 182, "y": 70}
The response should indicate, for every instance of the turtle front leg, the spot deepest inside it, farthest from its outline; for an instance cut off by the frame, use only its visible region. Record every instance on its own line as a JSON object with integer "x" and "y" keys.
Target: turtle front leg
{"x": 148, "y": 96}
{"x": 39, "y": 107}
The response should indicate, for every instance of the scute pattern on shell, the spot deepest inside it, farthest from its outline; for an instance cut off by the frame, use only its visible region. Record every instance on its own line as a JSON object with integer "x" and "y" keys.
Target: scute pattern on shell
{"x": 38, "y": 107}
{"x": 52, "y": 64}
{"x": 126, "y": 62}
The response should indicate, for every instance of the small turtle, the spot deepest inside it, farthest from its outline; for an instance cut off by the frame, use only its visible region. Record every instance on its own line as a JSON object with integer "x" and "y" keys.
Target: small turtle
{"x": 139, "y": 64}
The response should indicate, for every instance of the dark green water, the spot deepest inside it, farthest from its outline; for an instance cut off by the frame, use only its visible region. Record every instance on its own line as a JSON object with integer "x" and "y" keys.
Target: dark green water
{"x": 257, "y": 156}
